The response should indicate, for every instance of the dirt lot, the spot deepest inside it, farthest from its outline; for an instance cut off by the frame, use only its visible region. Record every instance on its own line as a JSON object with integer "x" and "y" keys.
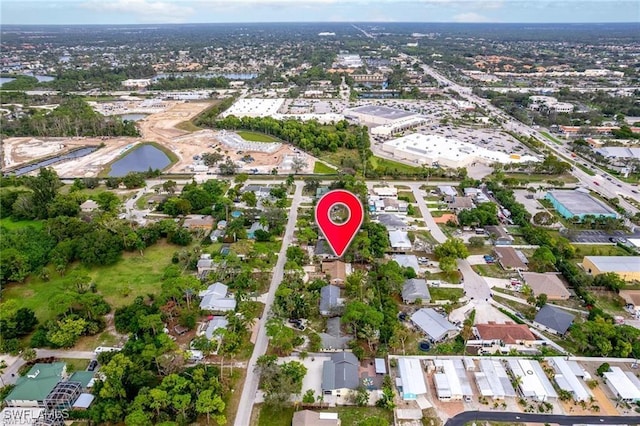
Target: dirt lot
{"x": 158, "y": 127}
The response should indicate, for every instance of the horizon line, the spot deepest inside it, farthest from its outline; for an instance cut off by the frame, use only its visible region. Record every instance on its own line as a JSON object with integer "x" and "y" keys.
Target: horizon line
{"x": 336, "y": 22}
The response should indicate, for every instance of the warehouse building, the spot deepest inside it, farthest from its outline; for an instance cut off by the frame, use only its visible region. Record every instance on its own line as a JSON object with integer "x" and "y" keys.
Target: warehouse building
{"x": 410, "y": 382}
{"x": 254, "y": 107}
{"x": 628, "y": 267}
{"x": 624, "y": 384}
{"x": 448, "y": 152}
{"x": 451, "y": 380}
{"x": 533, "y": 382}
{"x": 493, "y": 380}
{"x": 578, "y": 203}
{"x": 567, "y": 376}
{"x": 378, "y": 114}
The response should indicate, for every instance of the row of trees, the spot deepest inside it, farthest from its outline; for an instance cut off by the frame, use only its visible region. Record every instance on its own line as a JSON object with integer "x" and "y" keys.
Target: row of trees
{"x": 189, "y": 82}
{"x": 73, "y": 117}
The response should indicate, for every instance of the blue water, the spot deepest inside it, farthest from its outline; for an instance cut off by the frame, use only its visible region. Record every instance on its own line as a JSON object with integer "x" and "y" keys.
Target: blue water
{"x": 44, "y": 163}
{"x": 236, "y": 214}
{"x": 4, "y": 80}
{"x": 139, "y": 160}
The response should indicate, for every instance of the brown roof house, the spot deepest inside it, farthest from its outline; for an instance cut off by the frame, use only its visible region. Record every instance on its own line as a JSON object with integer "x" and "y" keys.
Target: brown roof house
{"x": 508, "y": 333}
{"x": 499, "y": 235}
{"x": 193, "y": 222}
{"x": 336, "y": 270}
{"x": 549, "y": 284}
{"x": 511, "y": 259}
{"x": 313, "y": 418}
{"x": 458, "y": 204}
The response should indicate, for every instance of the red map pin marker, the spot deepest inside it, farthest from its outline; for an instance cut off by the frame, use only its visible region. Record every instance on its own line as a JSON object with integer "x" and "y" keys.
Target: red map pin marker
{"x": 339, "y": 235}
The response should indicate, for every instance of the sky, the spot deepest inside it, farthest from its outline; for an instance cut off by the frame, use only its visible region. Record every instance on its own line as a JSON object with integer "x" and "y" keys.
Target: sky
{"x": 212, "y": 11}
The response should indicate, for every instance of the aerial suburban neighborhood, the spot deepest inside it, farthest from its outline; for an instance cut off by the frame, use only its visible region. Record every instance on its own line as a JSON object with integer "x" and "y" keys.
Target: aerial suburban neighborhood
{"x": 165, "y": 256}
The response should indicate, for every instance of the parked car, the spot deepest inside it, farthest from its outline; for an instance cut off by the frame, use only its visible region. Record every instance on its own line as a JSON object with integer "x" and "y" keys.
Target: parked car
{"x": 92, "y": 365}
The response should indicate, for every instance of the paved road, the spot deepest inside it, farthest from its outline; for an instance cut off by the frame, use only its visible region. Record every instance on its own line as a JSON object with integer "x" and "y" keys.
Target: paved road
{"x": 471, "y": 416}
{"x": 7, "y": 377}
{"x": 251, "y": 382}
{"x": 608, "y": 185}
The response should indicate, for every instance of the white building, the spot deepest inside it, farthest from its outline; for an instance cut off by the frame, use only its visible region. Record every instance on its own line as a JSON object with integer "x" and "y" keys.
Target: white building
{"x": 136, "y": 82}
{"x": 380, "y": 115}
{"x": 434, "y": 325}
{"x": 451, "y": 380}
{"x": 624, "y": 384}
{"x": 254, "y": 107}
{"x": 532, "y": 381}
{"x": 567, "y": 379}
{"x": 399, "y": 240}
{"x": 410, "y": 378}
{"x": 214, "y": 298}
{"x": 493, "y": 381}
{"x": 448, "y": 152}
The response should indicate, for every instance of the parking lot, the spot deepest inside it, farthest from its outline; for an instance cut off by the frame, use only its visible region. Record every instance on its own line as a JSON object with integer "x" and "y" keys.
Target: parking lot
{"x": 597, "y": 236}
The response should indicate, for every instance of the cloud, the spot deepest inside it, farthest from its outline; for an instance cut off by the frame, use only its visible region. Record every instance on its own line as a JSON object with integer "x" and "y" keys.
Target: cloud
{"x": 144, "y": 10}
{"x": 470, "y": 17}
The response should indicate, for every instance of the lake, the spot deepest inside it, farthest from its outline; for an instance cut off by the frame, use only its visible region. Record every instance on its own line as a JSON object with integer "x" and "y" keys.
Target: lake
{"x": 40, "y": 78}
{"x": 132, "y": 117}
{"x": 139, "y": 160}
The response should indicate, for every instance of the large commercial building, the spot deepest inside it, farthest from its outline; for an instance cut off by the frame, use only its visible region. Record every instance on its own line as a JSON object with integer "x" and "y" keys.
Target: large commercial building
{"x": 254, "y": 107}
{"x": 378, "y": 114}
{"x": 448, "y": 152}
{"x": 628, "y": 267}
{"x": 577, "y": 203}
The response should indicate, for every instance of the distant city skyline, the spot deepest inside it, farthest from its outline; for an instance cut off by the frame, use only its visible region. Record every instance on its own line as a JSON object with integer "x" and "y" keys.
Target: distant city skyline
{"x": 218, "y": 11}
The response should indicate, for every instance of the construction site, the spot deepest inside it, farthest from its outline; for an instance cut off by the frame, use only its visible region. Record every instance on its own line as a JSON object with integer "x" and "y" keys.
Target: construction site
{"x": 159, "y": 127}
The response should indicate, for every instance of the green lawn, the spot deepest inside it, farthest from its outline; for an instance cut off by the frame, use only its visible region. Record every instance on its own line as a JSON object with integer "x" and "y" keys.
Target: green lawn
{"x": 255, "y": 136}
{"x": 445, "y": 293}
{"x": 75, "y": 364}
{"x": 132, "y": 276}
{"x": 598, "y": 250}
{"x": 322, "y": 168}
{"x": 408, "y": 194}
{"x": 541, "y": 177}
{"x": 551, "y": 138}
{"x": 270, "y": 416}
{"x": 353, "y": 416}
{"x": 492, "y": 270}
{"x": 382, "y": 163}
{"x": 10, "y": 224}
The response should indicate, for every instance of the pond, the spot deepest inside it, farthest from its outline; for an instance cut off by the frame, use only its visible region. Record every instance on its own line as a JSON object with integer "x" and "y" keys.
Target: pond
{"x": 230, "y": 76}
{"x": 132, "y": 117}
{"x": 41, "y": 78}
{"x": 140, "y": 160}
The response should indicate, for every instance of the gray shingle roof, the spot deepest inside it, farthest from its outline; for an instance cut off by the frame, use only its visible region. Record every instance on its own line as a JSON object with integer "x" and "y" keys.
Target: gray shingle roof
{"x": 340, "y": 372}
{"x": 329, "y": 298}
{"x": 415, "y": 289}
{"x": 554, "y": 318}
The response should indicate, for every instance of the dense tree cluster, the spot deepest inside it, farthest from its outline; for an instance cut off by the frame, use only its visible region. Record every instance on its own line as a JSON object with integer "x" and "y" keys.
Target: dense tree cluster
{"x": 73, "y": 117}
{"x": 189, "y": 82}
{"x": 483, "y": 215}
{"x": 207, "y": 198}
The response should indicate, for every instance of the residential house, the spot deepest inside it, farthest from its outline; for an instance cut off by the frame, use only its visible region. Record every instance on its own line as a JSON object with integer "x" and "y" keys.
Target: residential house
{"x": 261, "y": 191}
{"x": 555, "y": 319}
{"x": 89, "y": 206}
{"x": 447, "y": 190}
{"x": 251, "y": 233}
{"x": 219, "y": 232}
{"x": 313, "y": 418}
{"x": 32, "y": 389}
{"x": 392, "y": 222}
{"x": 499, "y": 235}
{"x": 433, "y": 324}
{"x": 511, "y": 259}
{"x": 399, "y": 241}
{"x": 323, "y": 250}
{"x": 407, "y": 261}
{"x": 214, "y": 298}
{"x": 457, "y": 204}
{"x": 205, "y": 263}
{"x": 329, "y": 299}
{"x": 336, "y": 271}
{"x": 321, "y": 190}
{"x": 394, "y": 206}
{"x": 549, "y": 284}
{"x": 503, "y": 338}
{"x": 385, "y": 191}
{"x": 632, "y": 298}
{"x": 198, "y": 222}
{"x": 340, "y": 374}
{"x": 414, "y": 289}
{"x": 214, "y": 324}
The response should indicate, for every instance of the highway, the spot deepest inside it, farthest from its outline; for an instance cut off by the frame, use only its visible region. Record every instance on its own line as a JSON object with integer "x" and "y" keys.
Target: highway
{"x": 607, "y": 185}
{"x": 250, "y": 388}
{"x": 470, "y": 417}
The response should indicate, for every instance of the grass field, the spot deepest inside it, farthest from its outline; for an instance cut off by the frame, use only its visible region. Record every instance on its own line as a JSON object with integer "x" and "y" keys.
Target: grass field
{"x": 407, "y": 194}
{"x": 255, "y": 136}
{"x": 445, "y": 293}
{"x": 537, "y": 177}
{"x": 132, "y": 276}
{"x": 551, "y": 138}
{"x": 75, "y": 364}
{"x": 270, "y": 416}
{"x": 188, "y": 126}
{"x": 322, "y": 168}
{"x": 10, "y": 224}
{"x": 598, "y": 250}
{"x": 381, "y": 163}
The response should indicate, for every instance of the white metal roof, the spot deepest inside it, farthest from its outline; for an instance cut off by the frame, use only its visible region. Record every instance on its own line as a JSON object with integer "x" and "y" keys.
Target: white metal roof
{"x": 567, "y": 380}
{"x": 412, "y": 378}
{"x": 616, "y": 263}
{"x": 497, "y": 378}
{"x": 432, "y": 323}
{"x": 381, "y": 367}
{"x": 625, "y": 388}
{"x": 442, "y": 385}
{"x": 534, "y": 382}
{"x": 456, "y": 376}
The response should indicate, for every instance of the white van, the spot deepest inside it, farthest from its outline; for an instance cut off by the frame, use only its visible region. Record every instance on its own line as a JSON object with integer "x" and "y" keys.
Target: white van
{"x": 101, "y": 349}
{"x": 195, "y": 356}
